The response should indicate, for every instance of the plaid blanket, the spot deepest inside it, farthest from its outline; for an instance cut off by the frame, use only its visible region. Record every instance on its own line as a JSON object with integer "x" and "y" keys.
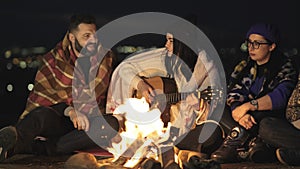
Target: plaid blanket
{"x": 60, "y": 79}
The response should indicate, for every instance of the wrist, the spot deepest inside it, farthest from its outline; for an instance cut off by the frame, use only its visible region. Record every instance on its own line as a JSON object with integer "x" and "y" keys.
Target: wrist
{"x": 254, "y": 104}
{"x": 68, "y": 110}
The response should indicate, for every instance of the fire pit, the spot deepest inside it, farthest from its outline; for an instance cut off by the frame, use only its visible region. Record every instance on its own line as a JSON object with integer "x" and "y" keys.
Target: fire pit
{"x": 145, "y": 143}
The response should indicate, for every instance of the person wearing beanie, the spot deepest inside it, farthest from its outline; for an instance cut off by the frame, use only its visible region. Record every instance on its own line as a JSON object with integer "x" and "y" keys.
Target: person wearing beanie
{"x": 261, "y": 86}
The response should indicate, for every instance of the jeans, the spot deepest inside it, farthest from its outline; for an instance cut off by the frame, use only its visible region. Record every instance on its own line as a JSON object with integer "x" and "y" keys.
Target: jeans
{"x": 204, "y": 138}
{"x": 61, "y": 136}
{"x": 279, "y": 133}
{"x": 228, "y": 122}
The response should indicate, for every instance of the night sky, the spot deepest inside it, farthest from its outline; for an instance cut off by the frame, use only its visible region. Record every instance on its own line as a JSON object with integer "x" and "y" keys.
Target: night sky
{"x": 35, "y": 23}
{"x": 31, "y": 23}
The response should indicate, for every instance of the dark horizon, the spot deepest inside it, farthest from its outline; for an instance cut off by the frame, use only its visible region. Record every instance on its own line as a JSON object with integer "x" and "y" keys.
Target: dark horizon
{"x": 39, "y": 23}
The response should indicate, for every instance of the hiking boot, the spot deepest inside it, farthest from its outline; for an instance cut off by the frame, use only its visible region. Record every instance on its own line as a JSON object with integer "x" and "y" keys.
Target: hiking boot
{"x": 288, "y": 156}
{"x": 232, "y": 149}
{"x": 8, "y": 138}
{"x": 260, "y": 152}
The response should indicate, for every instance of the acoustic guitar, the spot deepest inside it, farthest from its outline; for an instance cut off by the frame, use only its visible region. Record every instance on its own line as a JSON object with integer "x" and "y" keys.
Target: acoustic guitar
{"x": 166, "y": 94}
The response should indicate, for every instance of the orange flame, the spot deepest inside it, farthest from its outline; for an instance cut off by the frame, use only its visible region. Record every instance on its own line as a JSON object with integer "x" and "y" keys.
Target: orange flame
{"x": 141, "y": 123}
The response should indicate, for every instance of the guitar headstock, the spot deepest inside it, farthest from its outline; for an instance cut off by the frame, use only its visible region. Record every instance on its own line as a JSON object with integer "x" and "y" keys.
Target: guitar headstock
{"x": 210, "y": 93}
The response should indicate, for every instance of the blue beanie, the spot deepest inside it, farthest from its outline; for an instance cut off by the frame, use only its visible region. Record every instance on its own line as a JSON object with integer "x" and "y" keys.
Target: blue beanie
{"x": 268, "y": 31}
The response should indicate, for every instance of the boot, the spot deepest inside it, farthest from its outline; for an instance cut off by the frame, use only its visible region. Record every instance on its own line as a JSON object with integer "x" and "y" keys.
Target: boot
{"x": 260, "y": 152}
{"x": 288, "y": 156}
{"x": 233, "y": 148}
{"x": 8, "y": 138}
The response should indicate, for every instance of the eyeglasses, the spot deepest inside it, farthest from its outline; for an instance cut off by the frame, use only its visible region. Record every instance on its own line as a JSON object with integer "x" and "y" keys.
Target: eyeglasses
{"x": 255, "y": 44}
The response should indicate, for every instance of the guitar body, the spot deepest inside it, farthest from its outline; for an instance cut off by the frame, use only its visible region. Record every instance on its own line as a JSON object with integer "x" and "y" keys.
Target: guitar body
{"x": 161, "y": 85}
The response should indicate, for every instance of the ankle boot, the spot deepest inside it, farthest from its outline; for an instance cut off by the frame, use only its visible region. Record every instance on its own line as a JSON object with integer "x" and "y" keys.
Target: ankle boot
{"x": 260, "y": 152}
{"x": 288, "y": 156}
{"x": 233, "y": 148}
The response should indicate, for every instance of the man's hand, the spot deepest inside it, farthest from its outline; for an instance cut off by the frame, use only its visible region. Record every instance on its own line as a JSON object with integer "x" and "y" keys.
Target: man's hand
{"x": 247, "y": 121}
{"x": 80, "y": 121}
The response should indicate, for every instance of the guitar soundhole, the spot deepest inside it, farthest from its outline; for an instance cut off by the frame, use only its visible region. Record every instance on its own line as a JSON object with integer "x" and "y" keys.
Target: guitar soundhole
{"x": 169, "y": 85}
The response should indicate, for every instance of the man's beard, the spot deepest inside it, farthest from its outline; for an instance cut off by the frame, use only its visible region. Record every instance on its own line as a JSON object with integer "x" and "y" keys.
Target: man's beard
{"x": 84, "y": 50}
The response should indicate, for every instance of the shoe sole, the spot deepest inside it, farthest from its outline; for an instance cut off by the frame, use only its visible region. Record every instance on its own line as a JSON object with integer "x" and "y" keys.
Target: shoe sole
{"x": 8, "y": 138}
{"x": 279, "y": 157}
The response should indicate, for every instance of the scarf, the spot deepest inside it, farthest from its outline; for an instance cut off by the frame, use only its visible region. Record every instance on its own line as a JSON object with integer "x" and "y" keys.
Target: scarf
{"x": 277, "y": 70}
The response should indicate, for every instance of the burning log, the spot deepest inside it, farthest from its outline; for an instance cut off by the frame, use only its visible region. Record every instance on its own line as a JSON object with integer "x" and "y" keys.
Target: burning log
{"x": 112, "y": 167}
{"x": 185, "y": 155}
{"x": 130, "y": 151}
{"x": 108, "y": 164}
{"x": 150, "y": 164}
{"x": 195, "y": 160}
{"x": 167, "y": 155}
{"x": 153, "y": 144}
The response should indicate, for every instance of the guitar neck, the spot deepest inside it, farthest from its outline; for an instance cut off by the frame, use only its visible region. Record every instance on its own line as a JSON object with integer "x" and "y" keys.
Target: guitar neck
{"x": 206, "y": 94}
{"x": 170, "y": 94}
{"x": 176, "y": 97}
